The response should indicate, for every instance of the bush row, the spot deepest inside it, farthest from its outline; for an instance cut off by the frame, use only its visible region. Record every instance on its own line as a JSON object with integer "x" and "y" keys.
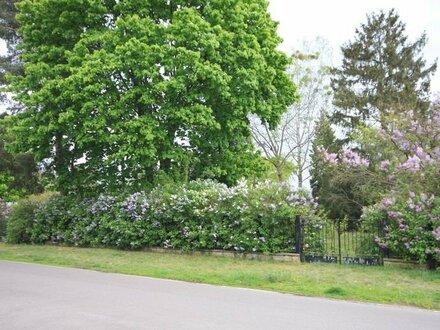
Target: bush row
{"x": 4, "y": 210}
{"x": 198, "y": 215}
{"x": 411, "y": 226}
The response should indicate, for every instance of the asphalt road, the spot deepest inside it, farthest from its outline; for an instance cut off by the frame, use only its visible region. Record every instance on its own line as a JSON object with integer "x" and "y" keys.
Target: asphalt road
{"x": 44, "y": 297}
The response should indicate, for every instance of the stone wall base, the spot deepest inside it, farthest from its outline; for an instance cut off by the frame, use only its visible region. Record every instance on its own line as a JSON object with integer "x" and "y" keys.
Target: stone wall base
{"x": 286, "y": 257}
{"x": 402, "y": 263}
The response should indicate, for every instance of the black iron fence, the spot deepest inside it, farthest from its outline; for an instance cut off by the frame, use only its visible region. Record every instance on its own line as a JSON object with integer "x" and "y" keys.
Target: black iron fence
{"x": 341, "y": 241}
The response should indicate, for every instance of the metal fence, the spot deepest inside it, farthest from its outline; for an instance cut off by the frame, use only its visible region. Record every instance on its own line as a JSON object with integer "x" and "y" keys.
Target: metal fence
{"x": 339, "y": 241}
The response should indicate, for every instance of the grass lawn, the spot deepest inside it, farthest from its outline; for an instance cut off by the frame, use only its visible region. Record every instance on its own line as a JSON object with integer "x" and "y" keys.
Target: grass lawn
{"x": 373, "y": 284}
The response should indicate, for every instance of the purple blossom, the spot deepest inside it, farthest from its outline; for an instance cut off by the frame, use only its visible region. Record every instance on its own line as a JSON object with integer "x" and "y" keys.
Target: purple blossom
{"x": 387, "y": 201}
{"x": 437, "y": 153}
{"x": 135, "y": 206}
{"x": 353, "y": 158}
{"x": 421, "y": 154}
{"x": 399, "y": 139}
{"x": 436, "y": 233}
{"x": 332, "y": 158}
{"x": 394, "y": 214}
{"x": 403, "y": 226}
{"x": 384, "y": 165}
{"x": 103, "y": 204}
{"x": 380, "y": 243}
{"x": 419, "y": 207}
{"x": 412, "y": 164}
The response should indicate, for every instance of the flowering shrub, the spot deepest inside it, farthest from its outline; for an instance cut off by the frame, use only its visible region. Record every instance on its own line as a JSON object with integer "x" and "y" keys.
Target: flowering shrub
{"x": 198, "y": 215}
{"x": 346, "y": 157}
{"x": 411, "y": 226}
{"x": 5, "y": 209}
{"x": 409, "y": 210}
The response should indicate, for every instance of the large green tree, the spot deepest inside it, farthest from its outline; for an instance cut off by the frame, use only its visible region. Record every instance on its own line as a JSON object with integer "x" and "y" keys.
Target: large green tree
{"x": 119, "y": 91}
{"x": 18, "y": 172}
{"x": 382, "y": 73}
{"x": 9, "y": 61}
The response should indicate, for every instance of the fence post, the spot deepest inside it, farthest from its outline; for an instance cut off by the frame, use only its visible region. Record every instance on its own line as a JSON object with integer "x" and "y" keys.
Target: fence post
{"x": 382, "y": 251}
{"x": 339, "y": 242}
{"x": 298, "y": 236}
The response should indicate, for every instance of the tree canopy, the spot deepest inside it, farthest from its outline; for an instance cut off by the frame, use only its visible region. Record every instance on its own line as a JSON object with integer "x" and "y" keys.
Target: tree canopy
{"x": 119, "y": 92}
{"x": 9, "y": 62}
{"x": 18, "y": 172}
{"x": 382, "y": 73}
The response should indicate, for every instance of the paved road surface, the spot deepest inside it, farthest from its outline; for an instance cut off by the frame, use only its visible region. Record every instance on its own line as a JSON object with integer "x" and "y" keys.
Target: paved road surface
{"x": 44, "y": 297}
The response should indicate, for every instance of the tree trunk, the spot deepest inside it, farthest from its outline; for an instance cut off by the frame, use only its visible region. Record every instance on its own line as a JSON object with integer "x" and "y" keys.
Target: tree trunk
{"x": 431, "y": 263}
{"x": 300, "y": 169}
{"x": 279, "y": 170}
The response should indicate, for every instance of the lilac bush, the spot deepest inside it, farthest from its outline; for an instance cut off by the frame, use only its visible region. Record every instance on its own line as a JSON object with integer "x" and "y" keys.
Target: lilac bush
{"x": 198, "y": 215}
{"x": 5, "y": 210}
{"x": 410, "y": 205}
{"x": 103, "y": 203}
{"x": 411, "y": 226}
{"x": 346, "y": 157}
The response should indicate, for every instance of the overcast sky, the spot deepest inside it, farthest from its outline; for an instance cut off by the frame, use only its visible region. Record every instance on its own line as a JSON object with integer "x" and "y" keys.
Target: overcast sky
{"x": 337, "y": 20}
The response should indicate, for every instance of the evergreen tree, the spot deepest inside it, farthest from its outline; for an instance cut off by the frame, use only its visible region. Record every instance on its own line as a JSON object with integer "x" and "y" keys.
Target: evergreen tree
{"x": 382, "y": 73}
{"x": 118, "y": 92}
{"x": 9, "y": 63}
{"x": 320, "y": 171}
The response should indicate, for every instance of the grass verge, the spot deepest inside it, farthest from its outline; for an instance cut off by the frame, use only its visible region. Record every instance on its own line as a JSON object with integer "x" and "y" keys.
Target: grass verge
{"x": 370, "y": 284}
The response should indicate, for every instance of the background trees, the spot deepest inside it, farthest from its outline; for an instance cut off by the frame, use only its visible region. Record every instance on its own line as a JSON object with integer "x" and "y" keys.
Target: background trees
{"x": 10, "y": 62}
{"x": 129, "y": 90}
{"x": 382, "y": 73}
{"x": 9, "y": 33}
{"x": 288, "y": 146}
{"x": 382, "y": 76}
{"x": 18, "y": 172}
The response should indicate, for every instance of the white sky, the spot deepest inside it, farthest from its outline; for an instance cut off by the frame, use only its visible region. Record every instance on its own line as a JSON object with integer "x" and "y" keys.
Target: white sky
{"x": 336, "y": 21}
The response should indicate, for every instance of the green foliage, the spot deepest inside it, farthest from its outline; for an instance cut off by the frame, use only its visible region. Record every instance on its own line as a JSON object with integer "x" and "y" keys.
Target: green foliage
{"x": 5, "y": 180}
{"x": 9, "y": 62}
{"x": 411, "y": 226}
{"x": 381, "y": 74}
{"x": 408, "y": 177}
{"x": 280, "y": 174}
{"x": 134, "y": 89}
{"x": 20, "y": 222}
{"x": 20, "y": 217}
{"x": 18, "y": 172}
{"x": 198, "y": 215}
{"x": 331, "y": 194}
{"x": 4, "y": 211}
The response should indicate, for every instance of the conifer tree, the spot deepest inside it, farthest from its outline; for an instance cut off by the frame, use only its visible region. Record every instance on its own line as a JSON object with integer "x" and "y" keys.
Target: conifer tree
{"x": 9, "y": 62}
{"x": 382, "y": 73}
{"x": 320, "y": 171}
